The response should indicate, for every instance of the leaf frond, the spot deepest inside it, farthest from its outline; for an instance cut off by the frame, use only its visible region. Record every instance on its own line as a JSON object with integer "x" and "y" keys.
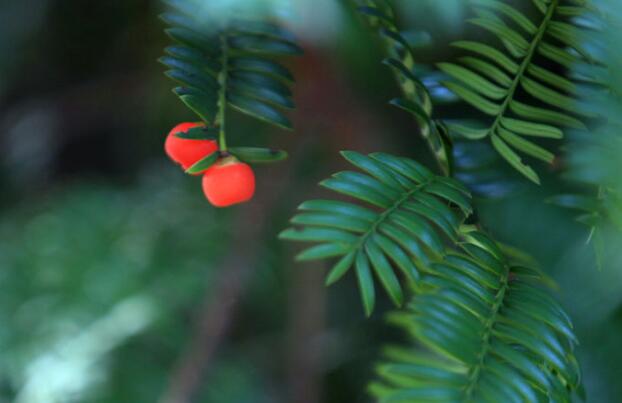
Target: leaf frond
{"x": 518, "y": 84}
{"x": 406, "y": 214}
{"x": 416, "y": 98}
{"x": 490, "y": 331}
{"x": 228, "y": 62}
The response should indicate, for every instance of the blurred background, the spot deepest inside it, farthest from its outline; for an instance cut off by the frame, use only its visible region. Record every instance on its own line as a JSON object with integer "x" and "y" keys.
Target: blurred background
{"x": 120, "y": 283}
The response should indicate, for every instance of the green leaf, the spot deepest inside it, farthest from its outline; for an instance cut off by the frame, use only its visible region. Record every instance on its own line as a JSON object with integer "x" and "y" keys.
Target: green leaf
{"x": 341, "y": 208}
{"x": 384, "y": 271}
{"x": 259, "y": 110}
{"x": 416, "y": 173}
{"x": 396, "y": 37}
{"x": 324, "y": 251}
{"x": 191, "y": 55}
{"x": 558, "y": 55}
{"x": 552, "y": 79}
{"x": 548, "y": 95}
{"x": 468, "y": 132}
{"x": 395, "y": 252}
{"x": 262, "y": 94}
{"x": 239, "y": 26}
{"x": 358, "y": 191}
{"x": 340, "y": 268}
{"x": 257, "y": 155}
{"x": 525, "y": 146}
{"x": 194, "y": 40}
{"x": 488, "y": 70}
{"x": 261, "y": 66}
{"x": 544, "y": 115}
{"x": 420, "y": 229}
{"x": 473, "y": 80}
{"x": 402, "y": 69}
{"x": 200, "y": 104}
{"x": 365, "y": 282}
{"x": 260, "y": 81}
{"x": 317, "y": 234}
{"x": 451, "y": 195}
{"x": 527, "y": 128}
{"x": 199, "y": 133}
{"x": 444, "y": 220}
{"x": 489, "y": 52}
{"x": 519, "y": 18}
{"x": 475, "y": 100}
{"x": 347, "y": 223}
{"x": 514, "y": 159}
{"x": 198, "y": 80}
{"x": 503, "y": 31}
{"x": 413, "y": 108}
{"x": 203, "y": 164}
{"x": 372, "y": 167}
{"x": 264, "y": 45}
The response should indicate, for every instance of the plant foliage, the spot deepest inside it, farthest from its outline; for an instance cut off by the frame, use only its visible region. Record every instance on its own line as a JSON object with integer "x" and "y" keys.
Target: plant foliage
{"x": 226, "y": 61}
{"x": 230, "y": 62}
{"x": 491, "y": 335}
{"x": 491, "y": 332}
{"x": 498, "y": 337}
{"x": 408, "y": 210}
{"x": 519, "y": 85}
{"x": 416, "y": 98}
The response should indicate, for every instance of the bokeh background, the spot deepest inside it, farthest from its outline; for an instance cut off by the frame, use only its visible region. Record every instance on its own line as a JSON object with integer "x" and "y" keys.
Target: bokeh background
{"x": 120, "y": 283}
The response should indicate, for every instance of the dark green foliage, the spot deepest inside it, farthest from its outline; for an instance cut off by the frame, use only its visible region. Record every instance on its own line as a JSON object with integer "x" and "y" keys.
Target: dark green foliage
{"x": 493, "y": 335}
{"x": 408, "y": 212}
{"x": 415, "y": 98}
{"x": 519, "y": 85}
{"x": 227, "y": 61}
{"x": 497, "y": 336}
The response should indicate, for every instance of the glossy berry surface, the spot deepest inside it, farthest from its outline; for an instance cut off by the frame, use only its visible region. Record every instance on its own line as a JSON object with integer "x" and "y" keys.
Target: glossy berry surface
{"x": 186, "y": 152}
{"x": 229, "y": 182}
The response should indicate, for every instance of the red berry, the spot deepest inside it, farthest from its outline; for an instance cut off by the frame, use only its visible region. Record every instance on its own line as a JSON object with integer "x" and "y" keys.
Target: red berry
{"x": 228, "y": 182}
{"x": 186, "y": 152}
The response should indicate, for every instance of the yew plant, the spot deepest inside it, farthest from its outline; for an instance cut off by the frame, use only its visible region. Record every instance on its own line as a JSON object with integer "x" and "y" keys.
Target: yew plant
{"x": 481, "y": 316}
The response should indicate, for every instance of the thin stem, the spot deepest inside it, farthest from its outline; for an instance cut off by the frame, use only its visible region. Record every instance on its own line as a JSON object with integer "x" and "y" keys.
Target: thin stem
{"x": 416, "y": 93}
{"x": 222, "y": 94}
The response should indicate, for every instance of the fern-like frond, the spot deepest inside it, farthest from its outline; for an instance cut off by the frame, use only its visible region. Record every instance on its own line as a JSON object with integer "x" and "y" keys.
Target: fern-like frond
{"x": 416, "y": 98}
{"x": 491, "y": 333}
{"x": 407, "y": 213}
{"x": 224, "y": 62}
{"x": 519, "y": 85}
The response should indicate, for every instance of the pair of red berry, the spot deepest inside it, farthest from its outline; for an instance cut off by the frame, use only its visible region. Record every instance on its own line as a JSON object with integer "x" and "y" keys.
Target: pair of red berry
{"x": 225, "y": 183}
